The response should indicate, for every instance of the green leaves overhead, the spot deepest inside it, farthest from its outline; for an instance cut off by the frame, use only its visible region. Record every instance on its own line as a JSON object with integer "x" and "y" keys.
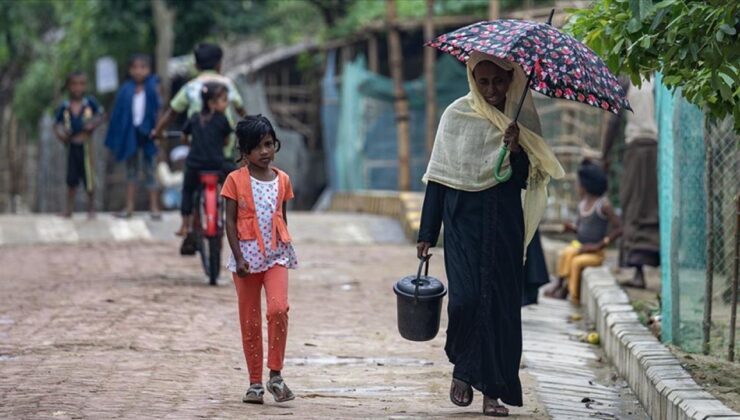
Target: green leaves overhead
{"x": 693, "y": 43}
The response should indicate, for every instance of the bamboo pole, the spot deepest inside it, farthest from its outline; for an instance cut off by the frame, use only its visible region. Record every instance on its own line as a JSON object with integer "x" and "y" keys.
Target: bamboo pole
{"x": 494, "y": 9}
{"x": 709, "y": 281}
{"x": 431, "y": 92}
{"x": 164, "y": 18}
{"x": 372, "y": 54}
{"x": 401, "y": 100}
{"x": 735, "y": 280}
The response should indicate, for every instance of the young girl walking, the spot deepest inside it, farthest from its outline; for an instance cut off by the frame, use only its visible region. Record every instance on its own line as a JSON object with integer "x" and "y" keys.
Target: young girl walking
{"x": 256, "y": 227}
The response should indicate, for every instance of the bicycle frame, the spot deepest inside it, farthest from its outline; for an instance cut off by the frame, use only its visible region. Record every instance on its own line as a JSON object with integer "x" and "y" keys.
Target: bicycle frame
{"x": 211, "y": 226}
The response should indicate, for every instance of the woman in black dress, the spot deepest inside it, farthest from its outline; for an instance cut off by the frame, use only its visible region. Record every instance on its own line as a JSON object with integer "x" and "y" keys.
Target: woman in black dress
{"x": 487, "y": 226}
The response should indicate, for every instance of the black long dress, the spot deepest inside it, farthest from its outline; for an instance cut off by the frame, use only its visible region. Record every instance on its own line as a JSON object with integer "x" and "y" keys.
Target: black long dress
{"x": 484, "y": 246}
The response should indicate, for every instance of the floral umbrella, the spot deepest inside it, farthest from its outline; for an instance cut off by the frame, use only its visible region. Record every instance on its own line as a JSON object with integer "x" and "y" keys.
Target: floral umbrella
{"x": 558, "y": 65}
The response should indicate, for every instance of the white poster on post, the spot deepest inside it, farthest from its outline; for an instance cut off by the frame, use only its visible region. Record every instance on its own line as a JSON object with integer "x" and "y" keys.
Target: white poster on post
{"x": 106, "y": 75}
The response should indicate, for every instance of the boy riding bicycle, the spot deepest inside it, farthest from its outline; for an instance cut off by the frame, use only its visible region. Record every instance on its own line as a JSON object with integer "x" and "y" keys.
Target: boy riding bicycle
{"x": 188, "y": 99}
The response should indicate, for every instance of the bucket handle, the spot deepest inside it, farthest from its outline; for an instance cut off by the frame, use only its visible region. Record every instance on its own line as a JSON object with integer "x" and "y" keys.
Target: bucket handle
{"x": 423, "y": 264}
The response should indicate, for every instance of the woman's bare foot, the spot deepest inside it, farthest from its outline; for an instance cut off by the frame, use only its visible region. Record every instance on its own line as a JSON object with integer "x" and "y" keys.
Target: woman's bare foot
{"x": 554, "y": 288}
{"x": 638, "y": 281}
{"x": 183, "y": 231}
{"x": 491, "y": 407}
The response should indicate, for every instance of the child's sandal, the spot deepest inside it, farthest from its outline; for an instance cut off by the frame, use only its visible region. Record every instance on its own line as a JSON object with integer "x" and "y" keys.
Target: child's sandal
{"x": 255, "y": 394}
{"x": 279, "y": 390}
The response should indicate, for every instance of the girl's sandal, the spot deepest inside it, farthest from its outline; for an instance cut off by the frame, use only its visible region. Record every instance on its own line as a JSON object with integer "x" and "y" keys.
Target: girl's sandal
{"x": 467, "y": 392}
{"x": 492, "y": 408}
{"x": 255, "y": 394}
{"x": 279, "y": 390}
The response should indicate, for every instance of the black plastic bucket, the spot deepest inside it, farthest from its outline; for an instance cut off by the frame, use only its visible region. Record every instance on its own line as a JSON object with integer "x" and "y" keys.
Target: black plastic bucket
{"x": 419, "y": 303}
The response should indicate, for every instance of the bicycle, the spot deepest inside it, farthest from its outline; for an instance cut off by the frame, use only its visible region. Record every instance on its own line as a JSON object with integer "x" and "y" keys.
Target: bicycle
{"x": 207, "y": 226}
{"x": 208, "y": 223}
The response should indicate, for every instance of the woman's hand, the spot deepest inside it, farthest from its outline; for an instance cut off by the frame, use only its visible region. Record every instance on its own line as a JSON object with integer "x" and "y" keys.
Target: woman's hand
{"x": 422, "y": 249}
{"x": 511, "y": 137}
{"x": 242, "y": 267}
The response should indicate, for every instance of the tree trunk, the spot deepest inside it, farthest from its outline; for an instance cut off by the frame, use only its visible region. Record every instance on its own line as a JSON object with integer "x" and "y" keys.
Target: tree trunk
{"x": 401, "y": 100}
{"x": 164, "y": 22}
{"x": 494, "y": 9}
{"x": 431, "y": 92}
{"x": 372, "y": 54}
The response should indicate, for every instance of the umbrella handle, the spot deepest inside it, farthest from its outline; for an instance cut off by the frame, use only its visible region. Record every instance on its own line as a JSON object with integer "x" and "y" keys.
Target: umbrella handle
{"x": 497, "y": 169}
{"x": 524, "y": 94}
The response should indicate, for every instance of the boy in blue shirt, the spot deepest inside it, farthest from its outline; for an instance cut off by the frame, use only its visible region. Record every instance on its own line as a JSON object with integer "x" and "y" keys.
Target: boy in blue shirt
{"x": 76, "y": 120}
{"x": 133, "y": 117}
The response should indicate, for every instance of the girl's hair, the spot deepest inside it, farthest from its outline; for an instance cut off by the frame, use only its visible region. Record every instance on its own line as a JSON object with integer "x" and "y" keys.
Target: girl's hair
{"x": 251, "y": 130}
{"x": 144, "y": 58}
{"x": 209, "y": 91}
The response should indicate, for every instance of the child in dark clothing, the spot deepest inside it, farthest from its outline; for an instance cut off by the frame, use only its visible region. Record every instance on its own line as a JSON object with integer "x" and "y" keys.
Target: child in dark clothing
{"x": 76, "y": 120}
{"x": 133, "y": 117}
{"x": 209, "y": 131}
{"x": 595, "y": 214}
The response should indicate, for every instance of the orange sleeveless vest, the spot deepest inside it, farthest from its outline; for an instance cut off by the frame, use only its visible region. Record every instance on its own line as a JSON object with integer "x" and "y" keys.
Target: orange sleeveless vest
{"x": 247, "y": 225}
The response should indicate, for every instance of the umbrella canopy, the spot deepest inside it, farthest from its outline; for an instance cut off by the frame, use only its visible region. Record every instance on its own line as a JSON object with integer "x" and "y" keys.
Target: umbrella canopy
{"x": 558, "y": 65}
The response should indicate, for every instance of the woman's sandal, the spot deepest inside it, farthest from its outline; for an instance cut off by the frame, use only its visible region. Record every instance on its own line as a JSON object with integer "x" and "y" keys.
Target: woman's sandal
{"x": 467, "y": 391}
{"x": 492, "y": 408}
{"x": 279, "y": 390}
{"x": 255, "y": 394}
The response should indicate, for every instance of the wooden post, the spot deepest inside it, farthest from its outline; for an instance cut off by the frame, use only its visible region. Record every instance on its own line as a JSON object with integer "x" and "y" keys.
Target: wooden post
{"x": 164, "y": 22}
{"x": 735, "y": 281}
{"x": 372, "y": 54}
{"x": 494, "y": 9}
{"x": 401, "y": 100}
{"x": 709, "y": 281}
{"x": 431, "y": 92}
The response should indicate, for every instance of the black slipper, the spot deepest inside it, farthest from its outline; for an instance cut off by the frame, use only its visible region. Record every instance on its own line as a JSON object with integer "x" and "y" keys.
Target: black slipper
{"x": 467, "y": 393}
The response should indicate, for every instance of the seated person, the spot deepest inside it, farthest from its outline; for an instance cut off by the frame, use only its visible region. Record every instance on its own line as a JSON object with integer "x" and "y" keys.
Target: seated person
{"x": 595, "y": 213}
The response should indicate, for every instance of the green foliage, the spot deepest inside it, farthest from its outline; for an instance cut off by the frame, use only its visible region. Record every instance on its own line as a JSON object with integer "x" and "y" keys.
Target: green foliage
{"x": 693, "y": 43}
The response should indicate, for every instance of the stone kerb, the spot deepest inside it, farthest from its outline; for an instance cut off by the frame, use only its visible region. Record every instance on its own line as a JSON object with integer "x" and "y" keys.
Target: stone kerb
{"x": 663, "y": 387}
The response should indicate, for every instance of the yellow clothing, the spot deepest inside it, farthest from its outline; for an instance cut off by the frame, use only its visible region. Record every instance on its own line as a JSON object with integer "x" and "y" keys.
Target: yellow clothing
{"x": 571, "y": 265}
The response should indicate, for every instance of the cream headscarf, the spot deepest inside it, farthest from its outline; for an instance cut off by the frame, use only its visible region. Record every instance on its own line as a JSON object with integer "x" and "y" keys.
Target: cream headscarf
{"x": 470, "y": 136}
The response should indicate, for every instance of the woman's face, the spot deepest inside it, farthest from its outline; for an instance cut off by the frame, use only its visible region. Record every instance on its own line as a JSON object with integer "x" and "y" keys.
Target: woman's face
{"x": 492, "y": 82}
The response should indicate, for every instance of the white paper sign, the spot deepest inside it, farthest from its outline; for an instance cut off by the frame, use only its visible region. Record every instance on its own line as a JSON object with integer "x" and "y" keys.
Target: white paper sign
{"x": 106, "y": 75}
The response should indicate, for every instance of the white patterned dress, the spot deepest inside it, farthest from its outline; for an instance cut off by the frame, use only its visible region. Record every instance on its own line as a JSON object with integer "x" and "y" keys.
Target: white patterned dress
{"x": 265, "y": 202}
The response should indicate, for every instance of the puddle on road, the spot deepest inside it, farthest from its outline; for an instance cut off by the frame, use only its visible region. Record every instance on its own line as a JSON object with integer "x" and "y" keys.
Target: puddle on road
{"x": 5, "y": 357}
{"x": 356, "y": 361}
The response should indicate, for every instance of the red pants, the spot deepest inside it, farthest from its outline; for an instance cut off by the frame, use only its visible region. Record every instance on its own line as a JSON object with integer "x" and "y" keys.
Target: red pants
{"x": 249, "y": 294}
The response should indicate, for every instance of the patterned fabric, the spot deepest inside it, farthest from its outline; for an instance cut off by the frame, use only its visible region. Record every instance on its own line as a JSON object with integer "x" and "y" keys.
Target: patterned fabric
{"x": 265, "y": 201}
{"x": 563, "y": 67}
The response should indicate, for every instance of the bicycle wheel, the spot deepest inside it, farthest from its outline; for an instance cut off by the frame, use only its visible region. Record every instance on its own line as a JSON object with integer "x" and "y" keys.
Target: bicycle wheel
{"x": 200, "y": 240}
{"x": 214, "y": 259}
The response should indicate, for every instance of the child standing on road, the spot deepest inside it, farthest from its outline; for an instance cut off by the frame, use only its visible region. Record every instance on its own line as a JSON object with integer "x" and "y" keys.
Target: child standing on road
{"x": 76, "y": 120}
{"x": 209, "y": 131}
{"x": 595, "y": 213}
{"x": 256, "y": 227}
{"x": 133, "y": 118}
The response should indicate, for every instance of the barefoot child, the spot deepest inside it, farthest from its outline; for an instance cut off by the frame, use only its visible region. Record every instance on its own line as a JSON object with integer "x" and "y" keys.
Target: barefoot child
{"x": 76, "y": 119}
{"x": 256, "y": 227}
{"x": 595, "y": 213}
{"x": 132, "y": 119}
{"x": 209, "y": 131}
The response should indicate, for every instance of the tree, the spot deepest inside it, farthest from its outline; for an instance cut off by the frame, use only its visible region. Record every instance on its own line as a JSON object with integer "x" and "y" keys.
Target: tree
{"x": 693, "y": 43}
